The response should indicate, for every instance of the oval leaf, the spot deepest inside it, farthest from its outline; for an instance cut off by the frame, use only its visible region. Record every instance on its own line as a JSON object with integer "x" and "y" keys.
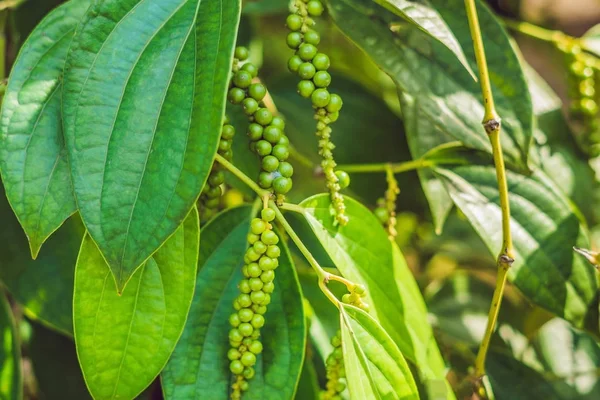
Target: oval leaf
{"x": 33, "y": 158}
{"x": 10, "y": 355}
{"x": 123, "y": 341}
{"x": 45, "y": 286}
{"x": 421, "y": 14}
{"x": 142, "y": 120}
{"x": 199, "y": 368}
{"x": 375, "y": 367}
{"x": 544, "y": 229}
{"x": 363, "y": 253}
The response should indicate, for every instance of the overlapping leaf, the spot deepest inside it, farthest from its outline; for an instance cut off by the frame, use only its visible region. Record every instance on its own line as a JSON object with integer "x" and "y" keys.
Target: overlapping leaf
{"x": 199, "y": 368}
{"x": 33, "y": 158}
{"x": 440, "y": 101}
{"x": 363, "y": 253}
{"x": 45, "y": 286}
{"x": 124, "y": 341}
{"x": 11, "y": 385}
{"x": 144, "y": 95}
{"x": 375, "y": 368}
{"x": 544, "y": 230}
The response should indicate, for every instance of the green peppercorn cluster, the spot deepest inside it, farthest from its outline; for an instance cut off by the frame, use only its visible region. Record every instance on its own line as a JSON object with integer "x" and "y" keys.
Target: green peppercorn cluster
{"x": 584, "y": 94}
{"x": 260, "y": 261}
{"x": 335, "y": 371}
{"x": 266, "y": 132}
{"x": 355, "y": 297}
{"x": 311, "y": 67}
{"x": 213, "y": 189}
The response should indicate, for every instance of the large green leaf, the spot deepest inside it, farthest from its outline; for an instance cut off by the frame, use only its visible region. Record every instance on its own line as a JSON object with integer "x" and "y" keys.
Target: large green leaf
{"x": 544, "y": 230}
{"x": 33, "y": 158}
{"x": 421, "y": 14}
{"x": 44, "y": 286}
{"x": 362, "y": 253}
{"x": 144, "y": 96}
{"x": 440, "y": 102}
{"x": 124, "y": 341}
{"x": 375, "y": 367}
{"x": 199, "y": 368}
{"x": 11, "y": 387}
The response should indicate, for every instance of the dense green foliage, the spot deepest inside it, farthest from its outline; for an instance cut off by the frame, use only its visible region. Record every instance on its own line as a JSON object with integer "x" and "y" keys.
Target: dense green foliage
{"x": 272, "y": 199}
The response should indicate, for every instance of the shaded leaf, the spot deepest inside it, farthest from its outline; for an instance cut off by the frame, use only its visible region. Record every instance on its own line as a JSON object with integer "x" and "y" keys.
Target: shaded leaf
{"x": 44, "y": 286}
{"x": 33, "y": 158}
{"x": 590, "y": 41}
{"x": 544, "y": 230}
{"x": 124, "y": 341}
{"x": 362, "y": 253}
{"x": 199, "y": 368}
{"x": 421, "y": 14}
{"x": 375, "y": 367}
{"x": 142, "y": 121}
{"x": 10, "y": 354}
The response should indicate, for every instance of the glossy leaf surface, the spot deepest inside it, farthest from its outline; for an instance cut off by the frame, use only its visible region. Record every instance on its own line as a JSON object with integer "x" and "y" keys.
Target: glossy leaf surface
{"x": 33, "y": 157}
{"x": 124, "y": 341}
{"x": 145, "y": 85}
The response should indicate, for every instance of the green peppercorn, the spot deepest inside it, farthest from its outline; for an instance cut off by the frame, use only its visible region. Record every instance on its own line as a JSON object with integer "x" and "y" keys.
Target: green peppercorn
{"x": 343, "y": 178}
{"x": 257, "y": 91}
{"x": 244, "y": 286}
{"x": 320, "y": 97}
{"x": 335, "y": 103}
{"x": 242, "y": 79}
{"x": 263, "y": 116}
{"x": 246, "y": 328}
{"x": 254, "y": 270}
{"x": 241, "y": 53}
{"x": 321, "y": 62}
{"x": 256, "y": 284}
{"x": 256, "y": 347}
{"x": 286, "y": 169}
{"x": 306, "y": 70}
{"x": 236, "y": 367}
{"x": 265, "y": 179}
{"x": 269, "y": 238}
{"x": 266, "y": 263}
{"x": 272, "y": 134}
{"x": 270, "y": 163}
{"x": 257, "y": 298}
{"x": 251, "y": 238}
{"x": 248, "y": 359}
{"x": 245, "y": 315}
{"x": 235, "y": 335}
{"x": 255, "y": 131}
{"x": 382, "y": 214}
{"x": 259, "y": 247}
{"x": 216, "y": 178}
{"x": 273, "y": 251}
{"x": 250, "y": 105}
{"x": 284, "y": 140}
{"x": 322, "y": 79}
{"x": 294, "y": 22}
{"x": 294, "y": 40}
{"x": 233, "y": 354}
{"x": 278, "y": 122}
{"x": 281, "y": 151}
{"x": 236, "y": 95}
{"x": 268, "y": 275}
{"x": 294, "y": 63}
{"x": 312, "y": 37}
{"x": 258, "y": 321}
{"x": 307, "y": 51}
{"x": 224, "y": 145}
{"x": 268, "y": 287}
{"x": 234, "y": 320}
{"x": 282, "y": 185}
{"x": 258, "y": 226}
{"x": 306, "y": 88}
{"x": 251, "y": 68}
{"x": 267, "y": 214}
{"x": 314, "y": 8}
{"x": 263, "y": 148}
{"x": 244, "y": 300}
{"x": 227, "y": 132}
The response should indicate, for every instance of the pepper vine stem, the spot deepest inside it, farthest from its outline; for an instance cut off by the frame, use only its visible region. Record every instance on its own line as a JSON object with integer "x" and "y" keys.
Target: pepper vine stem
{"x": 241, "y": 176}
{"x": 492, "y": 125}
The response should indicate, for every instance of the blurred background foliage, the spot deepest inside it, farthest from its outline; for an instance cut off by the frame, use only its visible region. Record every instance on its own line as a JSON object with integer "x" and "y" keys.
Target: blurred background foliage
{"x": 533, "y": 356}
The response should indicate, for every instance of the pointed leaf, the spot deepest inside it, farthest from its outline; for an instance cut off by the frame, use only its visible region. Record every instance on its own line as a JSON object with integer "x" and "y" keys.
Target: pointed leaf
{"x": 544, "y": 230}
{"x": 33, "y": 158}
{"x": 144, "y": 96}
{"x": 123, "y": 341}
{"x": 375, "y": 368}
{"x": 199, "y": 368}
{"x": 421, "y": 14}
{"x": 363, "y": 253}
{"x": 44, "y": 286}
{"x": 590, "y": 41}
{"x": 11, "y": 386}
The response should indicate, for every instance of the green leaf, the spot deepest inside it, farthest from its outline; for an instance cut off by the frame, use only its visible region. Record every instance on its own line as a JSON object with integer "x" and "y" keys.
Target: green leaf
{"x": 421, "y": 14}
{"x": 142, "y": 120}
{"x": 308, "y": 385}
{"x": 11, "y": 387}
{"x": 440, "y": 102}
{"x": 199, "y": 368}
{"x": 590, "y": 41}
{"x": 544, "y": 229}
{"x": 33, "y": 158}
{"x": 375, "y": 367}
{"x": 124, "y": 341}
{"x": 44, "y": 286}
{"x": 363, "y": 253}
